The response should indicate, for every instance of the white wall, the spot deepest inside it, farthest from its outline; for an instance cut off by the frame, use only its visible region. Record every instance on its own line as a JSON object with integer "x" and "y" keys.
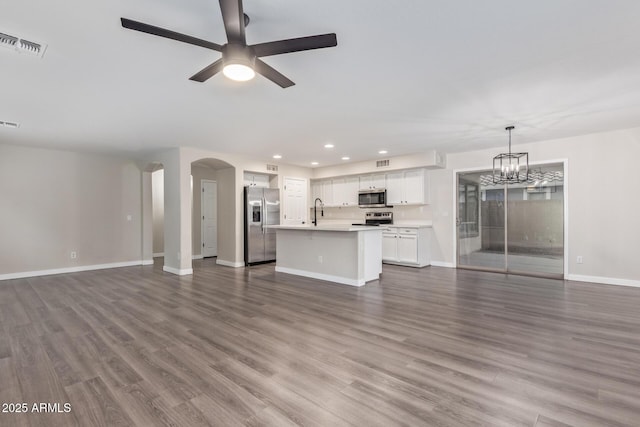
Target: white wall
{"x": 603, "y": 203}
{"x": 54, "y": 202}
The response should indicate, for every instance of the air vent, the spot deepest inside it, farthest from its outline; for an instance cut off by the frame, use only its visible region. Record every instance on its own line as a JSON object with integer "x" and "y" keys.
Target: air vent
{"x": 8, "y": 41}
{"x": 382, "y": 163}
{"x": 21, "y": 45}
{"x": 272, "y": 168}
{"x": 9, "y": 125}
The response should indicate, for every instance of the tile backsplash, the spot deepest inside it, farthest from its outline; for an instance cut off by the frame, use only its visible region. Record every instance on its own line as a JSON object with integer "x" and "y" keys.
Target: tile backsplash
{"x": 400, "y": 213}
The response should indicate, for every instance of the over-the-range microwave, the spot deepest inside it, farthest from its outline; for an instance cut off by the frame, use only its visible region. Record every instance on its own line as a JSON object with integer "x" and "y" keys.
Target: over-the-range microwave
{"x": 376, "y": 198}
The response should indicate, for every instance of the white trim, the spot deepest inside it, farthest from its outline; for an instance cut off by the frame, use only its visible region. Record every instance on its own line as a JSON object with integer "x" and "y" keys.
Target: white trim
{"x": 197, "y": 256}
{"x": 454, "y": 213}
{"x": 327, "y": 277}
{"x": 158, "y": 254}
{"x": 229, "y": 263}
{"x": 604, "y": 280}
{"x": 565, "y": 191}
{"x": 179, "y": 272}
{"x": 443, "y": 264}
{"x": 25, "y": 274}
{"x": 147, "y": 262}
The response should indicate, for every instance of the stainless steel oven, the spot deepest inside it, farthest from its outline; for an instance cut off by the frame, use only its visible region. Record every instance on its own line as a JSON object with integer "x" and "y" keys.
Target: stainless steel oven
{"x": 376, "y": 198}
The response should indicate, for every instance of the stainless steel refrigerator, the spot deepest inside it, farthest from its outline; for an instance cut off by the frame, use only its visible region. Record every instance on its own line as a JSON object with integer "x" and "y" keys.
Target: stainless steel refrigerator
{"x": 261, "y": 208}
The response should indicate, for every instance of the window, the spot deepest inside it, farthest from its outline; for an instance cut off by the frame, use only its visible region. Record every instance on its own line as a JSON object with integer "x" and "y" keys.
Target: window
{"x": 469, "y": 208}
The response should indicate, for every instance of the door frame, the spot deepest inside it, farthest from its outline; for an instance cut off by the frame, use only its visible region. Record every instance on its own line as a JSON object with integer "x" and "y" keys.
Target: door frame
{"x": 202, "y": 228}
{"x": 454, "y": 230}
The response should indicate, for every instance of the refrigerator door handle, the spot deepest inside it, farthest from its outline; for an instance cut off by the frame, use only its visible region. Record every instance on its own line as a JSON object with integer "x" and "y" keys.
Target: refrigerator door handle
{"x": 264, "y": 217}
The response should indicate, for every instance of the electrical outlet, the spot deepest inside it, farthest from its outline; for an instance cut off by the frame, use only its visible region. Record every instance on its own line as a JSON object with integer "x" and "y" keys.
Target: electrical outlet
{"x": 129, "y": 217}
{"x": 579, "y": 259}
{"x": 320, "y": 260}
{"x": 74, "y": 254}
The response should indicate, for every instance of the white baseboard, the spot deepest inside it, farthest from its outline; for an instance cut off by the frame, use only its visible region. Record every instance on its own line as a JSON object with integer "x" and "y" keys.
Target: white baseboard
{"x": 196, "y": 257}
{"x": 25, "y": 274}
{"x": 158, "y": 254}
{"x": 604, "y": 280}
{"x": 327, "y": 277}
{"x": 178, "y": 271}
{"x": 442, "y": 264}
{"x": 229, "y": 263}
{"x": 147, "y": 262}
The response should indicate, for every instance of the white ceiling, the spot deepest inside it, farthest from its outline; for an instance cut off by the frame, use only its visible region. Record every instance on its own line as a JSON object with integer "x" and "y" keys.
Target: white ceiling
{"x": 406, "y": 76}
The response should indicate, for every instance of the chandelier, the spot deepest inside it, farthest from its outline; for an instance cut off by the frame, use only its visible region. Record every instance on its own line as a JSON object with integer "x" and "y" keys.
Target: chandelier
{"x": 510, "y": 168}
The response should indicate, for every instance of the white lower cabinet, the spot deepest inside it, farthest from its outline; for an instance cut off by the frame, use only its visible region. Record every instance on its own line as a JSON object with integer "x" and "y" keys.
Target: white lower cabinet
{"x": 407, "y": 246}
{"x": 389, "y": 245}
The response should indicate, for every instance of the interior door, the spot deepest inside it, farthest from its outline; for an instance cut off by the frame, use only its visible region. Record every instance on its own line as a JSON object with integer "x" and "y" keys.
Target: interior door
{"x": 209, "y": 218}
{"x": 294, "y": 201}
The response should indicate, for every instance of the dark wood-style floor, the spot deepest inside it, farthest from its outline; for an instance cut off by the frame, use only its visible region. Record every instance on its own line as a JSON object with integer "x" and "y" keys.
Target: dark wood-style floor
{"x": 431, "y": 346}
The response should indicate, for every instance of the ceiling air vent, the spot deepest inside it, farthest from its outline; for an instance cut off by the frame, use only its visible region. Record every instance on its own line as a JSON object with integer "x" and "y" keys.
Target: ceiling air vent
{"x": 21, "y": 45}
{"x": 382, "y": 163}
{"x": 9, "y": 125}
{"x": 272, "y": 168}
{"x": 8, "y": 41}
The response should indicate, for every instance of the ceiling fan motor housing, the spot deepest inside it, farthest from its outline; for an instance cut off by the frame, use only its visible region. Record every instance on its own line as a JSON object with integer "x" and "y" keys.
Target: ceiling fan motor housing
{"x": 238, "y": 54}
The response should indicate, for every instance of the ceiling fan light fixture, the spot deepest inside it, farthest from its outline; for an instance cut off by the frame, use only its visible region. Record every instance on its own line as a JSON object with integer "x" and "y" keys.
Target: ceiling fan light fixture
{"x": 238, "y": 62}
{"x": 238, "y": 72}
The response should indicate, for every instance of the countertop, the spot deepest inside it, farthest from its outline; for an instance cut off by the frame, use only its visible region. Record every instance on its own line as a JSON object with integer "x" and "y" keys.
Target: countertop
{"x": 328, "y": 227}
{"x": 409, "y": 225}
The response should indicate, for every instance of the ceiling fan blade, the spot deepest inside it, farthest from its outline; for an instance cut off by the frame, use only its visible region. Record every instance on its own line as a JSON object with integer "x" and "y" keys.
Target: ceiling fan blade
{"x": 272, "y": 74}
{"x": 207, "y": 72}
{"x": 157, "y": 31}
{"x": 295, "y": 45}
{"x": 233, "y": 18}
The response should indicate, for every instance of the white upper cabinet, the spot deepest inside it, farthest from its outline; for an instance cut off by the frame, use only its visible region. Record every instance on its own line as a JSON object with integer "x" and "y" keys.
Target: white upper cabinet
{"x": 327, "y": 193}
{"x": 371, "y": 182}
{"x": 316, "y": 191}
{"x": 322, "y": 190}
{"x": 408, "y": 187}
{"x": 395, "y": 188}
{"x": 256, "y": 180}
{"x": 345, "y": 191}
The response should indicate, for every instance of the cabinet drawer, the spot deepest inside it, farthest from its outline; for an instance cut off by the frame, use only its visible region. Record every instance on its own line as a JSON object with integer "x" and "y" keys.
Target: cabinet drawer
{"x": 412, "y": 231}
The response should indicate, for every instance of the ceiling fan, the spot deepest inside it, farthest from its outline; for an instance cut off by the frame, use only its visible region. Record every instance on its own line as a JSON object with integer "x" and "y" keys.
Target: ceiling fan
{"x": 239, "y": 61}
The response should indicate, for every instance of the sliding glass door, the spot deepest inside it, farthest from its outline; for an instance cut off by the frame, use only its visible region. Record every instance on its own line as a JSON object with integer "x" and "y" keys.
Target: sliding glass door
{"x": 515, "y": 228}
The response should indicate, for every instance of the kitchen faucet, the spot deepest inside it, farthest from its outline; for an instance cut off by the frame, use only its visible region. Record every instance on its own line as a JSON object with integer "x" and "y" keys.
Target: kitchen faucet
{"x": 315, "y": 210}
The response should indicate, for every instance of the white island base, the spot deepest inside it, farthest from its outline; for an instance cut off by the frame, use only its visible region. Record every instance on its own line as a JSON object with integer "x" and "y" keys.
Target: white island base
{"x": 350, "y": 255}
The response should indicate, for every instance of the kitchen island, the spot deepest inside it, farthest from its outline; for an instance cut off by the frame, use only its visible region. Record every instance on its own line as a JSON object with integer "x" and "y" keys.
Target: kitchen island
{"x": 346, "y": 254}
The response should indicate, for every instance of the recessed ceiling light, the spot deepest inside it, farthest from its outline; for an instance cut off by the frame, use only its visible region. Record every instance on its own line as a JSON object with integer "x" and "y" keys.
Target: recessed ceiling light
{"x": 277, "y": 156}
{"x": 382, "y": 152}
{"x": 329, "y": 145}
{"x": 346, "y": 158}
{"x": 315, "y": 163}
